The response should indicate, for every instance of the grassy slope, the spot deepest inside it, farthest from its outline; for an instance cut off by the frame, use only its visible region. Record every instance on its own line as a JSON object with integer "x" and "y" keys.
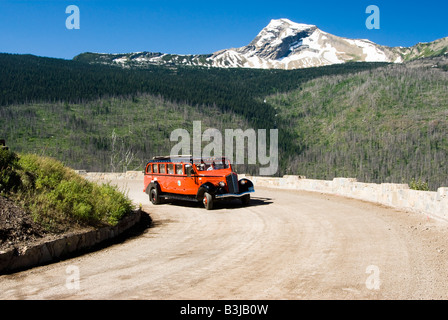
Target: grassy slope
{"x": 386, "y": 125}
{"x": 55, "y": 196}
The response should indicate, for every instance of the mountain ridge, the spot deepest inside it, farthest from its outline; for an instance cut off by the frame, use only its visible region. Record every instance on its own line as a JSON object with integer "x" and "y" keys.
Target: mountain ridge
{"x": 282, "y": 44}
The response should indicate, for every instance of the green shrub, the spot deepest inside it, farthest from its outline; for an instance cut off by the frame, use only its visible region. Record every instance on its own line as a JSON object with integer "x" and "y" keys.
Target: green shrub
{"x": 111, "y": 205}
{"x": 57, "y": 197}
{"x": 9, "y": 177}
{"x": 418, "y": 185}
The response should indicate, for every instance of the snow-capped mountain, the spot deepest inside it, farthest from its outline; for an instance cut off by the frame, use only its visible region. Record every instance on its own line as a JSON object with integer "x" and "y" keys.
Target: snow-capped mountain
{"x": 282, "y": 44}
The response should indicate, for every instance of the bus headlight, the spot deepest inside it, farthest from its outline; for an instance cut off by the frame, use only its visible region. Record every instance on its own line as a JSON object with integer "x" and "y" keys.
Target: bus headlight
{"x": 222, "y": 184}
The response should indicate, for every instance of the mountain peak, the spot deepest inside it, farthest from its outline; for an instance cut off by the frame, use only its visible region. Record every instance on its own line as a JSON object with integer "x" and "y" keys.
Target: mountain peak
{"x": 273, "y": 42}
{"x": 286, "y": 23}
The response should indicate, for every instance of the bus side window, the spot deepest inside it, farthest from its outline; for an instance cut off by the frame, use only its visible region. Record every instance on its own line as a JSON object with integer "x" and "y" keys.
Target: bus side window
{"x": 154, "y": 168}
{"x": 170, "y": 168}
{"x": 179, "y": 169}
{"x": 162, "y": 168}
{"x": 148, "y": 168}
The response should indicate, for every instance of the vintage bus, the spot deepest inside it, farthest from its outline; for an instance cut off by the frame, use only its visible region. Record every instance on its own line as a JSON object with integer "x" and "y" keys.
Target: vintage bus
{"x": 203, "y": 180}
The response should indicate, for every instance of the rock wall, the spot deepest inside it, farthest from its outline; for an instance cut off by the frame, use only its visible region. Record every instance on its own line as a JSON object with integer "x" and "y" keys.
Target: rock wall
{"x": 107, "y": 176}
{"x": 400, "y": 196}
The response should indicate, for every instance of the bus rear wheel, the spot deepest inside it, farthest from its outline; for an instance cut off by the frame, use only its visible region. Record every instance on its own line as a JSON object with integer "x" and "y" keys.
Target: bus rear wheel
{"x": 154, "y": 196}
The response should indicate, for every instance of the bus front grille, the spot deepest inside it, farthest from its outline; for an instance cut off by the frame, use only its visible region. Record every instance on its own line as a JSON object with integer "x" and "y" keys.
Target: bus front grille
{"x": 232, "y": 183}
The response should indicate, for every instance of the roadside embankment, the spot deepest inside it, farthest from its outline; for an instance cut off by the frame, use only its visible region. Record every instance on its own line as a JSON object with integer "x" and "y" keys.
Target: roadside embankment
{"x": 47, "y": 251}
{"x": 59, "y": 213}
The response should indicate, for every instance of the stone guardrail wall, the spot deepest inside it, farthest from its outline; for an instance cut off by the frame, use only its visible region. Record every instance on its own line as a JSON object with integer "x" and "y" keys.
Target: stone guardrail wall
{"x": 106, "y": 176}
{"x": 399, "y": 196}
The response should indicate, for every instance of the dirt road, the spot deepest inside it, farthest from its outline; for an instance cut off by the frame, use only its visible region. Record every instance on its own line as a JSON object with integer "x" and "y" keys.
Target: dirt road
{"x": 286, "y": 245}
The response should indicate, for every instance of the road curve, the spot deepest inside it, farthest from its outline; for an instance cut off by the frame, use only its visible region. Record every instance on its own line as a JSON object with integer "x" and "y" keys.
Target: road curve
{"x": 285, "y": 245}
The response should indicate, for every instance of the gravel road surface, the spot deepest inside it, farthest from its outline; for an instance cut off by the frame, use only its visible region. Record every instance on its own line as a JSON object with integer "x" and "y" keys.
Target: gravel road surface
{"x": 285, "y": 245}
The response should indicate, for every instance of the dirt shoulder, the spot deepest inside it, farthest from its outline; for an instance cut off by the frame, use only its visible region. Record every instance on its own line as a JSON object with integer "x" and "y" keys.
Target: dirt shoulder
{"x": 17, "y": 228}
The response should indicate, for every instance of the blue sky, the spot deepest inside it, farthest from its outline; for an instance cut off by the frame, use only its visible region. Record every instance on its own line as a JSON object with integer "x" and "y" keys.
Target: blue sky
{"x": 192, "y": 27}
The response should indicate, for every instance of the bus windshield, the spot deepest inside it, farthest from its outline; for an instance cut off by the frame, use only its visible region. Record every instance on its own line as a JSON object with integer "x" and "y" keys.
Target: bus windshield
{"x": 206, "y": 165}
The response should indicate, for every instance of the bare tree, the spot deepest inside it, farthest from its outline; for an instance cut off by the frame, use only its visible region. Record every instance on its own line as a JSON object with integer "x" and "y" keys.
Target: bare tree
{"x": 121, "y": 155}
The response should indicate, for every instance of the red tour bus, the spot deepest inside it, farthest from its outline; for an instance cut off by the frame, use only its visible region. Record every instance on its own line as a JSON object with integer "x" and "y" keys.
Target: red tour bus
{"x": 203, "y": 180}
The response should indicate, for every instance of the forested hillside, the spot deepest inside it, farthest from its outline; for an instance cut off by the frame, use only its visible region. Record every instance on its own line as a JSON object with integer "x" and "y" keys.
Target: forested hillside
{"x": 385, "y": 125}
{"x": 58, "y": 106}
{"x": 375, "y": 122}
